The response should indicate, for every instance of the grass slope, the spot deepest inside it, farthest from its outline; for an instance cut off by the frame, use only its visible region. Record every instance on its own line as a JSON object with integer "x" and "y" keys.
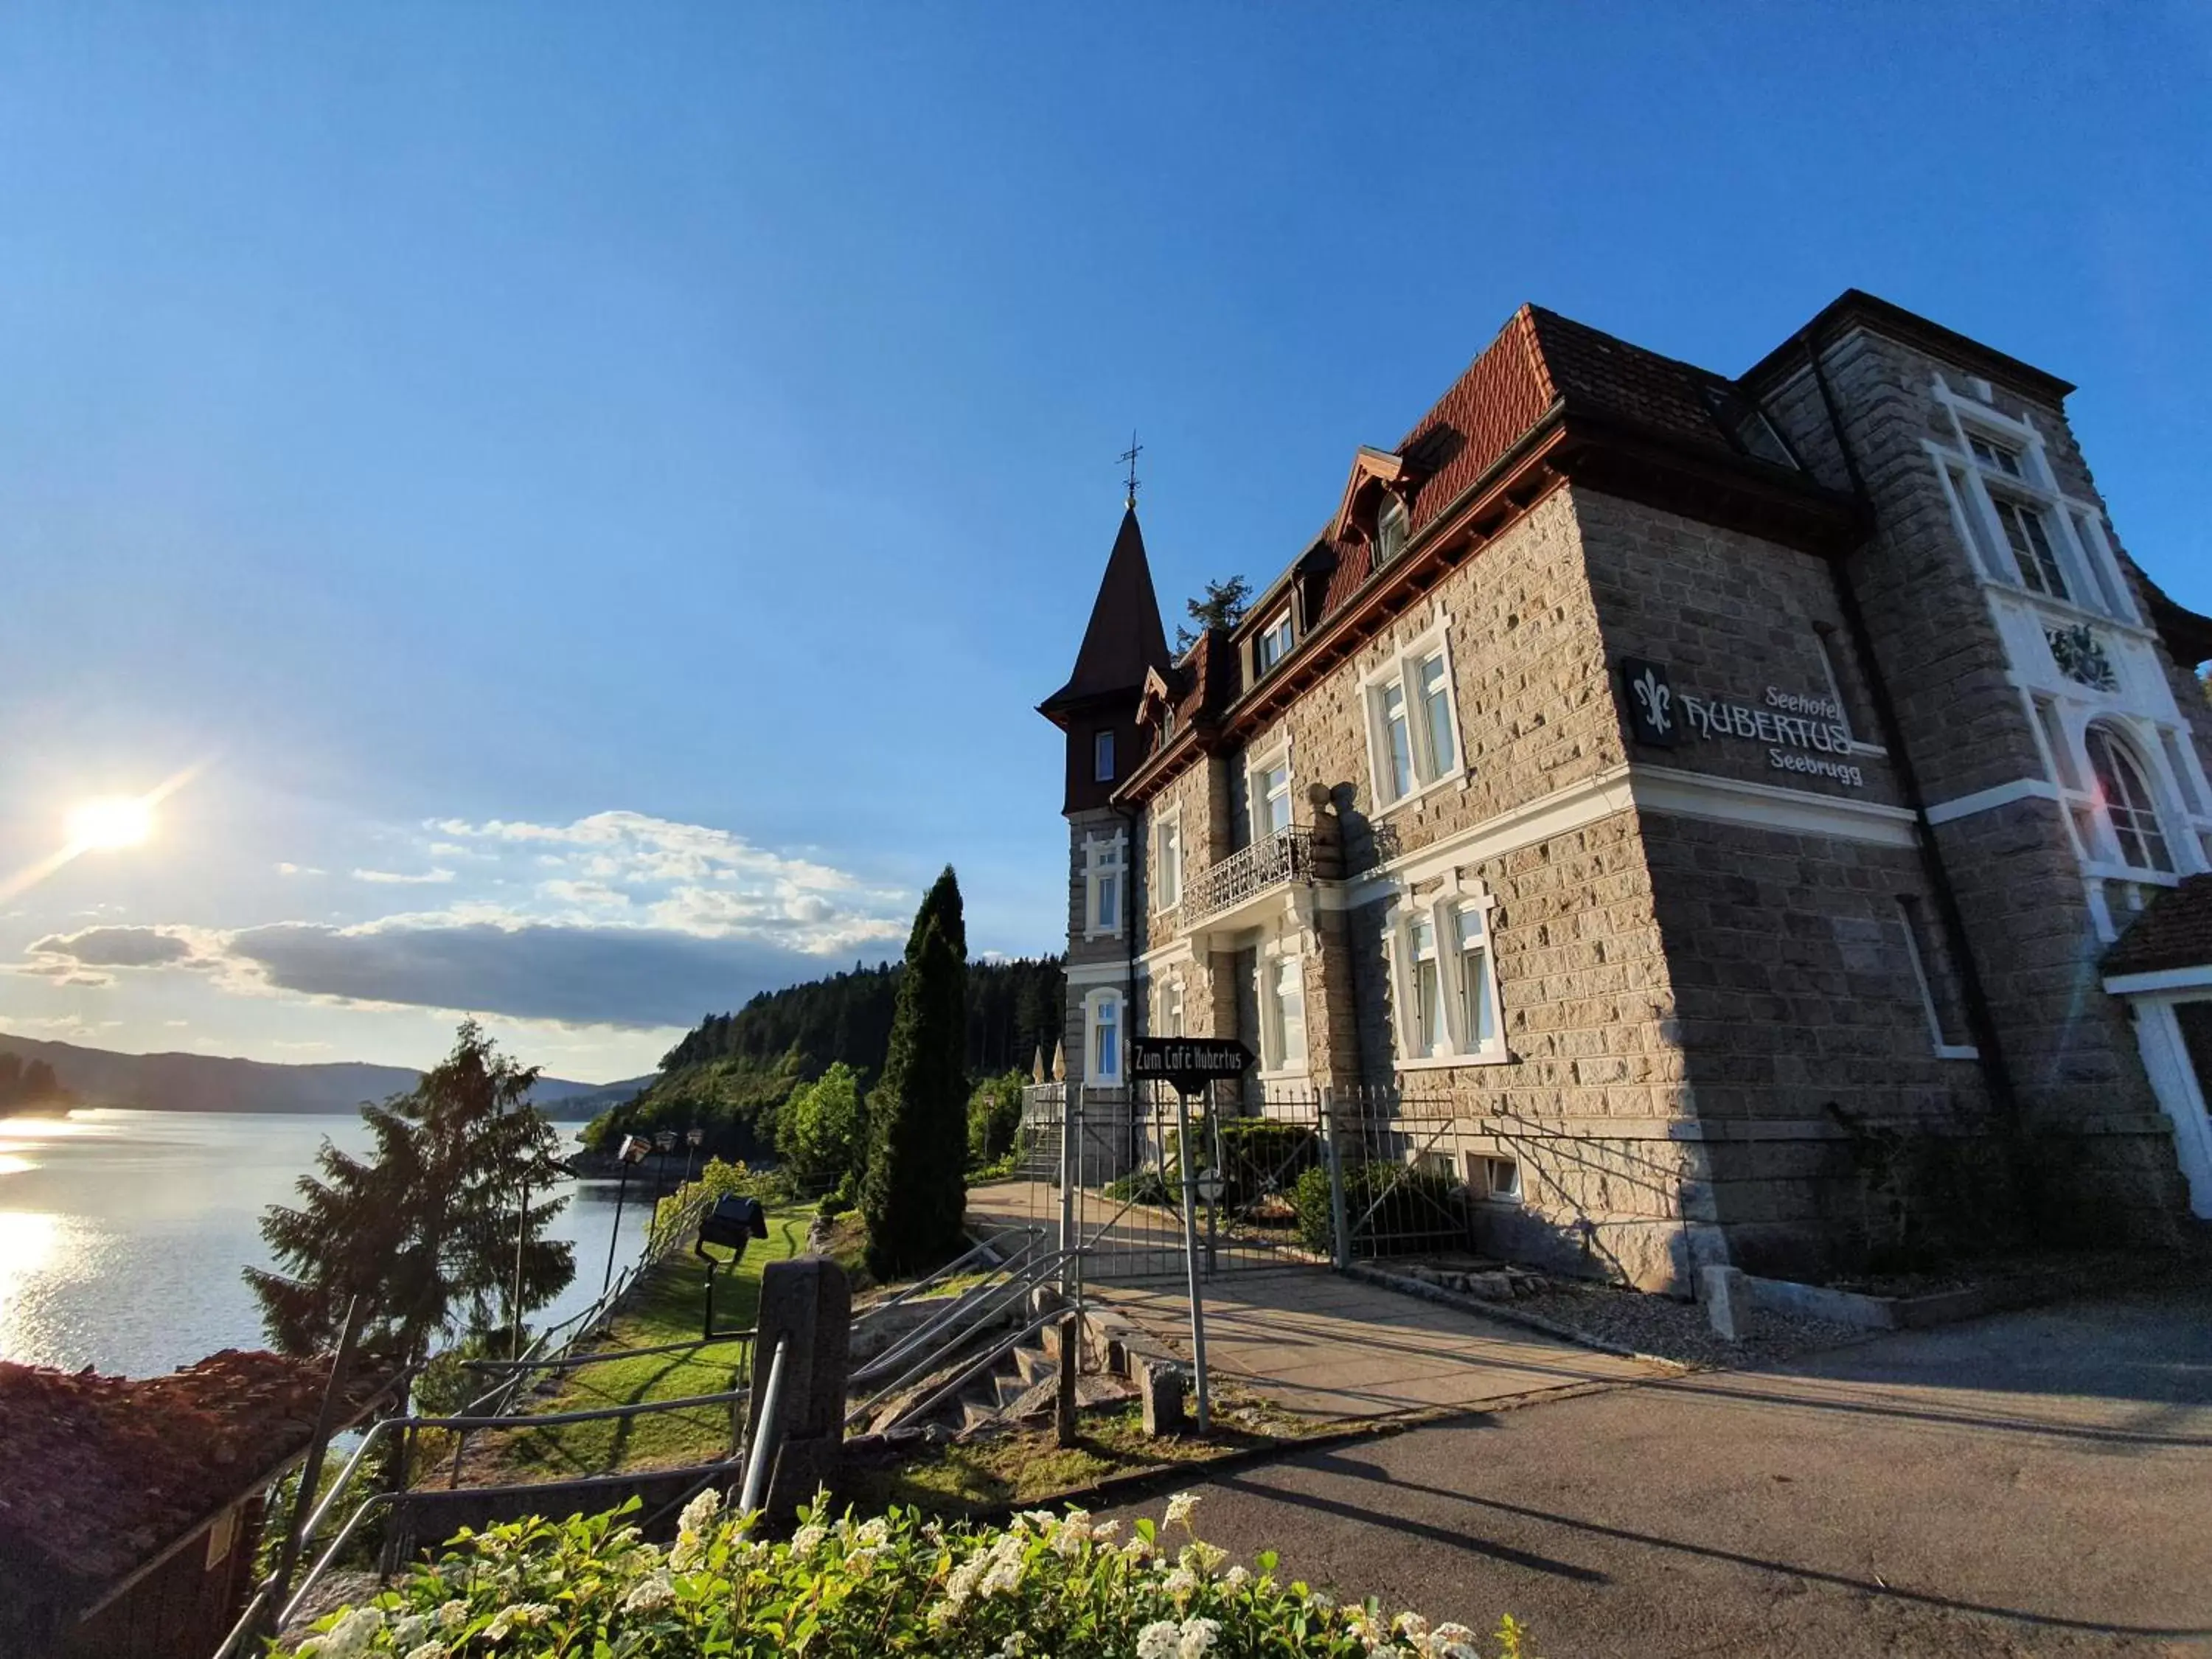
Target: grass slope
{"x": 669, "y": 1305}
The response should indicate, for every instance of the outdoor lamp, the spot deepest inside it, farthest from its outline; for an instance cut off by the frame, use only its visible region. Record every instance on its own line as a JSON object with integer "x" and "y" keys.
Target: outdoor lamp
{"x": 733, "y": 1223}
{"x": 634, "y": 1149}
{"x": 665, "y": 1141}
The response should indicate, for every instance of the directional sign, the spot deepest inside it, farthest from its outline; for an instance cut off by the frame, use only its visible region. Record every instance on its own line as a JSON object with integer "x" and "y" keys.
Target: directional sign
{"x": 1189, "y": 1063}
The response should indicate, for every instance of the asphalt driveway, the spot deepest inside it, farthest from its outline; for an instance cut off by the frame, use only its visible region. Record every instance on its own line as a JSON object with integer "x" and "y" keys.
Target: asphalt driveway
{"x": 2038, "y": 1482}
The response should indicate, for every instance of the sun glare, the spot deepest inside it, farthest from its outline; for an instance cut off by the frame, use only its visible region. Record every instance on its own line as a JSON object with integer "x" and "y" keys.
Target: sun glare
{"x": 112, "y": 821}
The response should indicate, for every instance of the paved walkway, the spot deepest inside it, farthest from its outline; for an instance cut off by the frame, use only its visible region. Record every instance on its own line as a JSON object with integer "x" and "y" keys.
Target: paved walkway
{"x": 2035, "y": 1483}
{"x": 1322, "y": 1345}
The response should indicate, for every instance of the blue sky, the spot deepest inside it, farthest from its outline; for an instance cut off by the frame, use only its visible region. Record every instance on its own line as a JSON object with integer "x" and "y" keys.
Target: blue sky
{"x": 600, "y": 492}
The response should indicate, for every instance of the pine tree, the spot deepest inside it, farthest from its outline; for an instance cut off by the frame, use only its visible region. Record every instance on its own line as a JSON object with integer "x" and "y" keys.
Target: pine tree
{"x": 425, "y": 1227}
{"x": 1222, "y": 607}
{"x": 913, "y": 1192}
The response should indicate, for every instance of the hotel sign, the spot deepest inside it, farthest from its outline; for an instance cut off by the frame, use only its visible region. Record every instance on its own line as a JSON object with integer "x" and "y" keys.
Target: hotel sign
{"x": 1802, "y": 733}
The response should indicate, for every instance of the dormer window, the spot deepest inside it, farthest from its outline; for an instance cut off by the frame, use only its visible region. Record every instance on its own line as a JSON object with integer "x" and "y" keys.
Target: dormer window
{"x": 1101, "y": 757}
{"x": 1390, "y": 523}
{"x": 1273, "y": 644}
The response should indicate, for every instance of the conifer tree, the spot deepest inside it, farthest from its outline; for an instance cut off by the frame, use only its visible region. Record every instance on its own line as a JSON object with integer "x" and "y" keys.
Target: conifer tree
{"x": 913, "y": 1192}
{"x": 425, "y": 1227}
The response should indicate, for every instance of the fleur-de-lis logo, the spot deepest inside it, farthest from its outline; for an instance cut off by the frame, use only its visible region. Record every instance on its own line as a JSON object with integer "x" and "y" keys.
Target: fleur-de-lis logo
{"x": 1656, "y": 699}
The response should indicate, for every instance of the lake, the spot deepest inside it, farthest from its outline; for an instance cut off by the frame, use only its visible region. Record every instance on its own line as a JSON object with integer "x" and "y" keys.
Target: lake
{"x": 122, "y": 1233}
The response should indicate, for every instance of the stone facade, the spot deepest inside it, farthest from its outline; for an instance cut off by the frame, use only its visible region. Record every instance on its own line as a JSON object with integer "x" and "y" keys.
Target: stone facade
{"x": 1715, "y": 988}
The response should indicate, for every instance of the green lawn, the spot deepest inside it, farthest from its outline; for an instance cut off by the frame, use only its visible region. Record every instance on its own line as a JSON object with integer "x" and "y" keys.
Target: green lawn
{"x": 668, "y": 1306}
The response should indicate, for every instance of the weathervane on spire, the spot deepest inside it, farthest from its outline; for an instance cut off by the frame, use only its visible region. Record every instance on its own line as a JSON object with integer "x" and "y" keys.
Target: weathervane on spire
{"x": 1130, "y": 455}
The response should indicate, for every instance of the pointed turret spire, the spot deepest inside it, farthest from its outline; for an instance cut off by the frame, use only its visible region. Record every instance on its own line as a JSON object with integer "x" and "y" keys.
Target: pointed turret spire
{"x": 1125, "y": 637}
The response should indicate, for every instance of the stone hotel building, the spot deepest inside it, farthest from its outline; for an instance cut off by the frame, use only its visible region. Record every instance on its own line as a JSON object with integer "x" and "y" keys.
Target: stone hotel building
{"x": 1760, "y": 816}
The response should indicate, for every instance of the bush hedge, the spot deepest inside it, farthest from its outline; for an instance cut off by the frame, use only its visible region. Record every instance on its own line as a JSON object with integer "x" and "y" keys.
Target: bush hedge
{"x": 1044, "y": 1587}
{"x": 1259, "y": 1155}
{"x": 1419, "y": 1210}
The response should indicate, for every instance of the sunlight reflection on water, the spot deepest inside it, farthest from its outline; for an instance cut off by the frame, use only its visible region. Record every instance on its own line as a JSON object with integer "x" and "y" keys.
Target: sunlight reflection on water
{"x": 122, "y": 1233}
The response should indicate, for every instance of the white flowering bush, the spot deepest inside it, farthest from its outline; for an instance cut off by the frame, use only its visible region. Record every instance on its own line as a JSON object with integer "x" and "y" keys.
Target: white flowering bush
{"x": 1044, "y": 1587}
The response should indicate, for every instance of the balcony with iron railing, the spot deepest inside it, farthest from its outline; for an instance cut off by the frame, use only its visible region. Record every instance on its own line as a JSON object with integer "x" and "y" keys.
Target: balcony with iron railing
{"x": 1272, "y": 861}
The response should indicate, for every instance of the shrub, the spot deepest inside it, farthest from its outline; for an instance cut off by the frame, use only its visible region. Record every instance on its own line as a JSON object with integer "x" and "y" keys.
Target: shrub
{"x": 1145, "y": 1185}
{"x": 1063, "y": 1586}
{"x": 719, "y": 1179}
{"x": 1259, "y": 1155}
{"x": 820, "y": 1130}
{"x": 995, "y": 1117}
{"x": 1392, "y": 1209}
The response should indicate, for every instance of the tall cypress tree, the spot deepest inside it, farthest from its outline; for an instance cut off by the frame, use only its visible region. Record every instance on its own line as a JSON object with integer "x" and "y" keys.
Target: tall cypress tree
{"x": 915, "y": 1192}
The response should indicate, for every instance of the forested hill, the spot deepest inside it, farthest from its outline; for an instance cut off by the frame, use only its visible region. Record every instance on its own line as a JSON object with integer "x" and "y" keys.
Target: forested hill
{"x": 1013, "y": 1010}
{"x": 732, "y": 1073}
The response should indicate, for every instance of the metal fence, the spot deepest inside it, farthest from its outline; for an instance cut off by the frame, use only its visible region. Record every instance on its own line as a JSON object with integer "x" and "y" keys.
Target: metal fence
{"x": 1287, "y": 1177}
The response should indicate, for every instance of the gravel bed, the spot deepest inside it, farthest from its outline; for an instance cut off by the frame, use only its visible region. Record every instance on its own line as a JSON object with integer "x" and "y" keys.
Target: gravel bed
{"x": 1678, "y": 1331}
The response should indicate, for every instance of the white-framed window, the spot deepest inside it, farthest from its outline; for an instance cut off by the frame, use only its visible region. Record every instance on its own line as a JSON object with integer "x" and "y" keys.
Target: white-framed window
{"x": 1478, "y": 1006}
{"x": 2124, "y": 791}
{"x": 1390, "y": 524}
{"x": 1101, "y": 757}
{"x": 1919, "y": 952}
{"x": 2024, "y": 531}
{"x": 1170, "y": 1007}
{"x": 1270, "y": 795}
{"x": 1412, "y": 720}
{"x": 1167, "y": 861}
{"x": 1446, "y": 982}
{"x": 1105, "y": 861}
{"x": 1289, "y": 1012}
{"x": 1102, "y": 1037}
{"x": 1494, "y": 1176}
{"x": 2030, "y": 541}
{"x": 1273, "y": 643}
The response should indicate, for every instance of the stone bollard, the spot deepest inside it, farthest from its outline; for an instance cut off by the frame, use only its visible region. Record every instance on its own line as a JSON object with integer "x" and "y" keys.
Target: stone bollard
{"x": 1161, "y": 1386}
{"x": 807, "y": 1304}
{"x": 1727, "y": 1296}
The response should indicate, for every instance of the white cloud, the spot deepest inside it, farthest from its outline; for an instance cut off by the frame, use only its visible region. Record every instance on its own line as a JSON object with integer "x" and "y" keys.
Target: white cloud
{"x": 289, "y": 868}
{"x": 394, "y": 878}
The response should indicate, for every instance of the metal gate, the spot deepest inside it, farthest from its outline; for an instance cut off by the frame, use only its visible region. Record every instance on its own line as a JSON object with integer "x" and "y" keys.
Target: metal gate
{"x": 1289, "y": 1177}
{"x": 1107, "y": 1165}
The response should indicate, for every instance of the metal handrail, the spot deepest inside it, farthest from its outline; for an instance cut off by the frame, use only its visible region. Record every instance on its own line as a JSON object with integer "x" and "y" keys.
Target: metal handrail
{"x": 767, "y": 1439}
{"x": 1284, "y": 855}
{"x": 576, "y": 1327}
{"x": 984, "y": 1312}
{"x": 957, "y": 1307}
{"x": 987, "y": 1247}
{"x": 991, "y": 1358}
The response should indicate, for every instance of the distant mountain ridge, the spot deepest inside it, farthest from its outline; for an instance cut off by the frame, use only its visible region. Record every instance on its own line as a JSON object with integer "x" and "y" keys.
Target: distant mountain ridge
{"x": 211, "y": 1083}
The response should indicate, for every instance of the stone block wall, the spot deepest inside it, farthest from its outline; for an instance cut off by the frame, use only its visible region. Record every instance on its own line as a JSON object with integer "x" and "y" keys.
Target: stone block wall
{"x": 2073, "y": 1061}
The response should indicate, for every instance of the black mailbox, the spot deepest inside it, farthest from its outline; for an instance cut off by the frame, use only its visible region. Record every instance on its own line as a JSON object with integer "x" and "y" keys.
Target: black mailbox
{"x": 733, "y": 1223}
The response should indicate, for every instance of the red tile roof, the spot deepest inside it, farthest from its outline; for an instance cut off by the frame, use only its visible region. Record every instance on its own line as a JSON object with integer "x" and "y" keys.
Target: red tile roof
{"x": 2175, "y": 931}
{"x": 99, "y": 1471}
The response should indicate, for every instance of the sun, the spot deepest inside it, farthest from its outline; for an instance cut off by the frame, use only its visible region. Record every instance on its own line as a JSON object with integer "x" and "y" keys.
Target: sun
{"x": 111, "y": 820}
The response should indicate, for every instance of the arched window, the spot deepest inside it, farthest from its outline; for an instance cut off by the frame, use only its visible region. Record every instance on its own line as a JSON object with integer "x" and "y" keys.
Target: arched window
{"x": 2130, "y": 807}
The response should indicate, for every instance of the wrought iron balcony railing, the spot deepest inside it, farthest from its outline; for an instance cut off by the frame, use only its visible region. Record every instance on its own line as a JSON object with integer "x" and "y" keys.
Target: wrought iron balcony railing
{"x": 1287, "y": 855}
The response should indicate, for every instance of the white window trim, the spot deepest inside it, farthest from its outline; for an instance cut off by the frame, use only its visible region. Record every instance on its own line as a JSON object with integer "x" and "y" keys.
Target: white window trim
{"x": 2089, "y": 564}
{"x": 1440, "y": 911}
{"x": 1273, "y": 1063}
{"x": 1093, "y": 868}
{"x": 1165, "y": 901}
{"x": 1092, "y": 1005}
{"x": 1256, "y": 768}
{"x": 1279, "y": 623}
{"x": 1405, "y": 658}
{"x": 1943, "y": 1050}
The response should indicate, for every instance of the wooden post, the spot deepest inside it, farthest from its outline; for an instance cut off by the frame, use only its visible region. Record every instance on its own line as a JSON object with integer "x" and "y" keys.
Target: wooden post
{"x": 1071, "y": 1360}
